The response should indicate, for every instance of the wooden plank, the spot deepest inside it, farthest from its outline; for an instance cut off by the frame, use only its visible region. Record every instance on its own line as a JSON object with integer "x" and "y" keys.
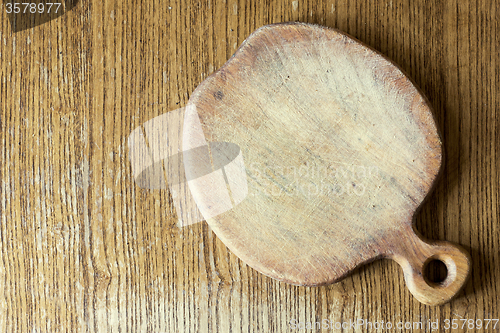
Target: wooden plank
{"x": 340, "y": 150}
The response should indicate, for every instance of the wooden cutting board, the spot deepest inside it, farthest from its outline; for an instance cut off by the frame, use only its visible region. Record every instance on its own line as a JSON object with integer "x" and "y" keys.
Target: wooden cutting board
{"x": 340, "y": 149}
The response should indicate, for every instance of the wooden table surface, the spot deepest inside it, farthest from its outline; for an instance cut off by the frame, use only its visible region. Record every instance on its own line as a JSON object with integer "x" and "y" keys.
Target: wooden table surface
{"x": 84, "y": 249}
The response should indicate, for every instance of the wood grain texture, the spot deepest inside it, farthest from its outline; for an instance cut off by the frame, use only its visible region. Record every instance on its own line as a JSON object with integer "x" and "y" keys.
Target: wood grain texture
{"x": 82, "y": 248}
{"x": 340, "y": 150}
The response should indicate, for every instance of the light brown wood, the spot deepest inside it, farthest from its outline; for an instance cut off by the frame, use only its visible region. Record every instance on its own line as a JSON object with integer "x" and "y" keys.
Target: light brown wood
{"x": 84, "y": 249}
{"x": 156, "y": 158}
{"x": 340, "y": 150}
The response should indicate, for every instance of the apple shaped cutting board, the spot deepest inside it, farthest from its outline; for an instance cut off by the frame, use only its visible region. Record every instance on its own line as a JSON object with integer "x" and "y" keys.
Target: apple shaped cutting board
{"x": 340, "y": 149}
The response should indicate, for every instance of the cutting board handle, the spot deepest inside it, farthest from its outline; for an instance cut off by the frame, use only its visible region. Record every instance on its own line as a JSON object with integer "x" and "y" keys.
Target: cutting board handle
{"x": 414, "y": 256}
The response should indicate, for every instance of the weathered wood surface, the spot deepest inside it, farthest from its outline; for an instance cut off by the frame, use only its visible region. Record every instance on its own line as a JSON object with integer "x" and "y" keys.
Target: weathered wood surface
{"x": 340, "y": 149}
{"x": 82, "y": 248}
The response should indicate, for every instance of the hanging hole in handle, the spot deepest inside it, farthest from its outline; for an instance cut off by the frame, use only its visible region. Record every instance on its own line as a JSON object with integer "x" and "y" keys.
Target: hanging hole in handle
{"x": 435, "y": 272}
{"x": 439, "y": 271}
